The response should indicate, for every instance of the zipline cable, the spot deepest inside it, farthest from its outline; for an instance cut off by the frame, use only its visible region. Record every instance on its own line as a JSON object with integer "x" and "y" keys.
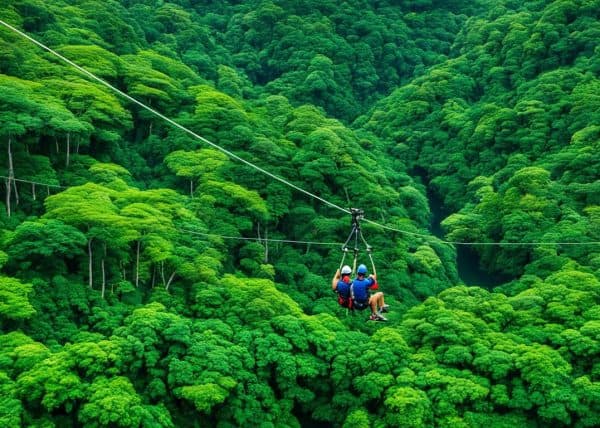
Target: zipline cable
{"x": 242, "y": 238}
{"x": 169, "y": 120}
{"x": 33, "y": 182}
{"x": 273, "y": 176}
{"x": 503, "y": 244}
{"x": 392, "y": 229}
{"x": 195, "y": 232}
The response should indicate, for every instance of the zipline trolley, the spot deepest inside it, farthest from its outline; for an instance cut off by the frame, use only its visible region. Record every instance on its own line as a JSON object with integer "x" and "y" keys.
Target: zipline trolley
{"x": 356, "y": 233}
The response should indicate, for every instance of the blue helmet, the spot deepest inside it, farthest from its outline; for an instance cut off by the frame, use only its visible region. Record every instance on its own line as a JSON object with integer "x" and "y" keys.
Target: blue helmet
{"x": 362, "y": 269}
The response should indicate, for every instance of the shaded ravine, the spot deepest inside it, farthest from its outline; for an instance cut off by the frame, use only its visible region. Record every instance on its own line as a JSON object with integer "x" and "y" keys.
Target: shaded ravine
{"x": 468, "y": 264}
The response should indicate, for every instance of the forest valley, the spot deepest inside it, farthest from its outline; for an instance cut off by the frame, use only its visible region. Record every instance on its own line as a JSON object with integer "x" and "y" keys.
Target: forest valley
{"x": 150, "y": 280}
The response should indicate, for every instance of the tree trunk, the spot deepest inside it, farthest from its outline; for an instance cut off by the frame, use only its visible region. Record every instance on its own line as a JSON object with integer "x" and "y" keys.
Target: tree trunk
{"x": 56, "y": 144}
{"x": 169, "y": 281}
{"x": 137, "y": 264}
{"x": 266, "y": 242}
{"x": 16, "y": 191}
{"x": 153, "y": 275}
{"x": 103, "y": 270}
{"x": 33, "y": 190}
{"x": 68, "y": 148}
{"x": 192, "y": 189}
{"x": 266, "y": 246}
{"x": 103, "y": 277}
{"x": 162, "y": 273}
{"x": 7, "y": 182}
{"x": 90, "y": 260}
{"x": 11, "y": 176}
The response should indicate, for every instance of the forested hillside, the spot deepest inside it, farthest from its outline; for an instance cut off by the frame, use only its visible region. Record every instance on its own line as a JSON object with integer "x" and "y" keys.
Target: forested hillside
{"x": 149, "y": 279}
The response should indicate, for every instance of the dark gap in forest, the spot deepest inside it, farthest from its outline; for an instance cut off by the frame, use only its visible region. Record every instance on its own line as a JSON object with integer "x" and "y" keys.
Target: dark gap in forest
{"x": 306, "y": 420}
{"x": 471, "y": 272}
{"x": 468, "y": 263}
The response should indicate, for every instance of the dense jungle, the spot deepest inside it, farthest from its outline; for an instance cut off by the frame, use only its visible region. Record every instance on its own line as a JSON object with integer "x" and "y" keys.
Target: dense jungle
{"x": 151, "y": 279}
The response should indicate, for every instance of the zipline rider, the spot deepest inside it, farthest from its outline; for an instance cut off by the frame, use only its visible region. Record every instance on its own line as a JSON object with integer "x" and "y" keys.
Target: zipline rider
{"x": 354, "y": 294}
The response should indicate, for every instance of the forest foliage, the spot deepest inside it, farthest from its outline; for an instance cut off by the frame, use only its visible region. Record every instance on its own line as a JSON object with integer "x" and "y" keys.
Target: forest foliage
{"x": 124, "y": 300}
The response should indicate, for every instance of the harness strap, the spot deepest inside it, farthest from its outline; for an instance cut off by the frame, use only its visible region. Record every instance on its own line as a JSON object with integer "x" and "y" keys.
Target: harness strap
{"x": 369, "y": 251}
{"x": 345, "y": 246}
{"x": 372, "y": 262}
{"x": 345, "y": 250}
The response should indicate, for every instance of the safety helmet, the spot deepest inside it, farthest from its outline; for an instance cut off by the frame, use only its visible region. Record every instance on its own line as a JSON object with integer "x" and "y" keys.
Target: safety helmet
{"x": 346, "y": 270}
{"x": 362, "y": 269}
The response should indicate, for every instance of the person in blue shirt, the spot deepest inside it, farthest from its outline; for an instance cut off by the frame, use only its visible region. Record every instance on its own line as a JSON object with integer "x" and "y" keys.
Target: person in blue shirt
{"x": 360, "y": 294}
{"x": 341, "y": 284}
